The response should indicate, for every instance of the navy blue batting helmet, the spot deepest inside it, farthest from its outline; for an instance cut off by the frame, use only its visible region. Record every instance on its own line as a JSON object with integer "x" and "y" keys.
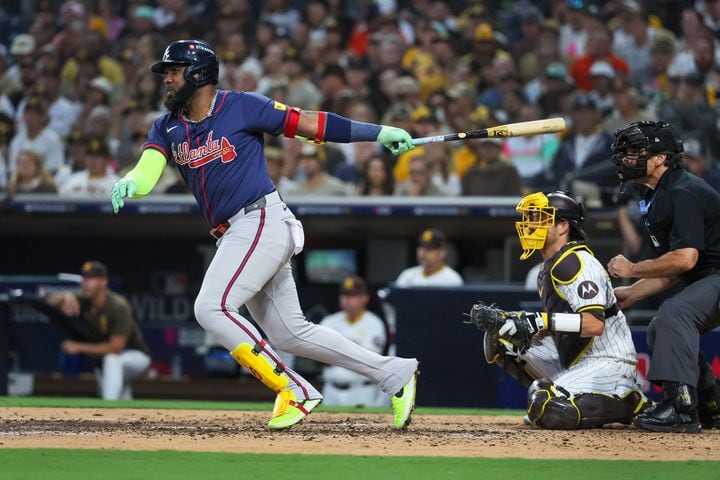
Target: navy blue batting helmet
{"x": 199, "y": 58}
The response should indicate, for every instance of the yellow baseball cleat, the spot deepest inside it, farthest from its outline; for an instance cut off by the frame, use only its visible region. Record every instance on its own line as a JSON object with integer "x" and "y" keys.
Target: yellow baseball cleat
{"x": 403, "y": 404}
{"x": 288, "y": 411}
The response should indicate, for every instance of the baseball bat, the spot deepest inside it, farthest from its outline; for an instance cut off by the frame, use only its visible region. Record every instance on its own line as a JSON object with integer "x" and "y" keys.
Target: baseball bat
{"x": 521, "y": 129}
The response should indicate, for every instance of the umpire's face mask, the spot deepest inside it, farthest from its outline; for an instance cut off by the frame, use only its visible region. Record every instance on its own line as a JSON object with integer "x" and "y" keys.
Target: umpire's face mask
{"x": 537, "y": 217}
{"x": 630, "y": 163}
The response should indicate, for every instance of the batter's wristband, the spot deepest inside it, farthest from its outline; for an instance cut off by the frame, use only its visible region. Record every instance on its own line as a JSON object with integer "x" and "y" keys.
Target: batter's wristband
{"x": 291, "y": 122}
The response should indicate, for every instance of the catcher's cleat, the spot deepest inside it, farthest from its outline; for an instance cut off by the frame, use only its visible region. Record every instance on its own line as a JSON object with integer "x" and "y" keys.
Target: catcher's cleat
{"x": 288, "y": 411}
{"x": 403, "y": 403}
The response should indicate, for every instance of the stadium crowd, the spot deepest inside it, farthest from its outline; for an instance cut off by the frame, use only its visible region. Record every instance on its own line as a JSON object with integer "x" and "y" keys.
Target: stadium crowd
{"x": 77, "y": 96}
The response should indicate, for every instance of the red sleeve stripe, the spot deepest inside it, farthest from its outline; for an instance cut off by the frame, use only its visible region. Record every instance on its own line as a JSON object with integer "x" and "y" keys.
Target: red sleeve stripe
{"x": 292, "y": 119}
{"x": 157, "y": 147}
{"x": 322, "y": 122}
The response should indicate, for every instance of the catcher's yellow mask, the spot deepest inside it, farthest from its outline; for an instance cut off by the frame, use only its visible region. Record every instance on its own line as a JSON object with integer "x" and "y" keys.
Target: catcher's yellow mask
{"x": 537, "y": 216}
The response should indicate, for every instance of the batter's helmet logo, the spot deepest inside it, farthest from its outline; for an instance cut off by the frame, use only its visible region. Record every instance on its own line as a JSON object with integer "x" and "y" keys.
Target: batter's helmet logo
{"x": 587, "y": 290}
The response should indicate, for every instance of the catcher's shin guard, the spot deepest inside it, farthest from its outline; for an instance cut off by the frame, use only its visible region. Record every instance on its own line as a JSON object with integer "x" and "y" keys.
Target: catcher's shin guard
{"x": 498, "y": 351}
{"x": 551, "y": 407}
{"x": 270, "y": 373}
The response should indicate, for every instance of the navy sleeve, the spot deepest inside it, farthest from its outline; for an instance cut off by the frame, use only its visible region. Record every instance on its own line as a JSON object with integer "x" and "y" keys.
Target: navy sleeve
{"x": 262, "y": 114}
{"x": 157, "y": 138}
{"x": 688, "y": 230}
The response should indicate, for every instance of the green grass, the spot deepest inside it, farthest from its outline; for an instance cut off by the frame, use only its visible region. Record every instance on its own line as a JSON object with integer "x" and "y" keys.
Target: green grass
{"x": 74, "y": 402}
{"x": 60, "y": 464}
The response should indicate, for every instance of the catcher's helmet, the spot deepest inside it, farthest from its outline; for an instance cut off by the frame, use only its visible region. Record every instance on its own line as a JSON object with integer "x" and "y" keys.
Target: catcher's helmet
{"x": 199, "y": 58}
{"x": 652, "y": 137}
{"x": 541, "y": 211}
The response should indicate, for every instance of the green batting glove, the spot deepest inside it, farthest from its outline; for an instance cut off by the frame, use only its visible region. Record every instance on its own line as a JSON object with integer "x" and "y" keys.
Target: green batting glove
{"x": 395, "y": 139}
{"x": 123, "y": 188}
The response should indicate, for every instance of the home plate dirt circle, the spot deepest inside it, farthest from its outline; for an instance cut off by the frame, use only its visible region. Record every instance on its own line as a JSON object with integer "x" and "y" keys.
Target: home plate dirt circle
{"x": 337, "y": 433}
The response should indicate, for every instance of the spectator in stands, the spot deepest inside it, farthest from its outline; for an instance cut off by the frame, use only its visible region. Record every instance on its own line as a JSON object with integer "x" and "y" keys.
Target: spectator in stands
{"x": 628, "y": 107}
{"x": 355, "y": 322}
{"x": 662, "y": 53}
{"x": 113, "y": 337}
{"x": 584, "y": 152}
{"x": 275, "y": 162}
{"x": 598, "y": 48}
{"x": 377, "y": 179}
{"x": 431, "y": 270}
{"x": 602, "y": 77}
{"x": 22, "y": 50}
{"x": 633, "y": 40}
{"x": 97, "y": 179}
{"x": 698, "y": 163}
{"x": 688, "y": 111}
{"x": 551, "y": 91}
{"x": 30, "y": 175}
{"x": 93, "y": 50}
{"x": 62, "y": 111}
{"x": 573, "y": 34}
{"x": 301, "y": 90}
{"x": 38, "y": 137}
{"x": 531, "y": 156}
{"x": 420, "y": 182}
{"x": 491, "y": 175}
{"x": 316, "y": 180}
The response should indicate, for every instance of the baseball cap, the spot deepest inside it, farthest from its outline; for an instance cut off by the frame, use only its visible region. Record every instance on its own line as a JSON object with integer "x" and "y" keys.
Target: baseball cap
{"x": 91, "y": 269}
{"x": 23, "y": 44}
{"x": 432, "y": 238}
{"x": 406, "y": 85}
{"x": 144, "y": 11}
{"x": 692, "y": 148}
{"x": 98, "y": 147}
{"x": 353, "y": 285}
{"x": 556, "y": 70}
{"x": 102, "y": 84}
{"x": 602, "y": 69}
{"x": 460, "y": 90}
{"x": 484, "y": 33}
{"x": 584, "y": 101}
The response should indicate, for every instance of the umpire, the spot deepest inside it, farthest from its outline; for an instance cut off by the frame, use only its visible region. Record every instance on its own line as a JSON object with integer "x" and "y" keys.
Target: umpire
{"x": 682, "y": 219}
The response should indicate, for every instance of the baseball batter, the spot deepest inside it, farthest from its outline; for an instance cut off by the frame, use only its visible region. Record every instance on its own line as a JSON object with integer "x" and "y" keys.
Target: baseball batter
{"x": 577, "y": 356}
{"x": 215, "y": 140}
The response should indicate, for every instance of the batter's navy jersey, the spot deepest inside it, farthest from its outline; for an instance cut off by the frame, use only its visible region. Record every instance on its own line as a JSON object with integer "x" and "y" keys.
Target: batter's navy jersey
{"x": 222, "y": 158}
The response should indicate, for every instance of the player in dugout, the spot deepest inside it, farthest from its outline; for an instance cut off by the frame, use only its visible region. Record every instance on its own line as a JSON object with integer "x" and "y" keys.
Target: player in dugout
{"x": 576, "y": 357}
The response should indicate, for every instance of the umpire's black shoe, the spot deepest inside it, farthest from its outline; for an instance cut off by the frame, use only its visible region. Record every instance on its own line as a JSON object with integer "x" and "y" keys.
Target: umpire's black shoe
{"x": 709, "y": 407}
{"x": 676, "y": 413}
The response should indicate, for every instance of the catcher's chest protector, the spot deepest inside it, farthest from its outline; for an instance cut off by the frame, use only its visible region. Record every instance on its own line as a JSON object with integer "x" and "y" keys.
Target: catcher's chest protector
{"x": 563, "y": 268}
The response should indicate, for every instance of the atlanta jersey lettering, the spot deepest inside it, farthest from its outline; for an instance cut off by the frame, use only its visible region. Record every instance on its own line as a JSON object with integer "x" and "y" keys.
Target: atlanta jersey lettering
{"x": 222, "y": 158}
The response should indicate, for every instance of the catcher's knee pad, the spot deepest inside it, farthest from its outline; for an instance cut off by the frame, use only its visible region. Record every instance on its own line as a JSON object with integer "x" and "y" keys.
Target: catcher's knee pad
{"x": 252, "y": 358}
{"x": 549, "y": 407}
{"x": 496, "y": 351}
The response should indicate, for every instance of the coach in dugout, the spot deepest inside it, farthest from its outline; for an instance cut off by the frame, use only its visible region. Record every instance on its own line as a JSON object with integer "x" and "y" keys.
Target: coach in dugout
{"x": 113, "y": 336}
{"x": 682, "y": 219}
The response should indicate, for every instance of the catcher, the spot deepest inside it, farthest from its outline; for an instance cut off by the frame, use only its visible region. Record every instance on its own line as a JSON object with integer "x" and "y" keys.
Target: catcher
{"x": 576, "y": 358}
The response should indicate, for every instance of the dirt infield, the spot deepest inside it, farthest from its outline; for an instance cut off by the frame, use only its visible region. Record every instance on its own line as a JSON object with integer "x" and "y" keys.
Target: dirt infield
{"x": 333, "y": 433}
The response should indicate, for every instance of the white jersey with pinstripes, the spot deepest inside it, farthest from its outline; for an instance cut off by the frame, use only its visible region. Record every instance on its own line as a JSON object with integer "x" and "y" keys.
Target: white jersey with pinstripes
{"x": 607, "y": 364}
{"x": 592, "y": 289}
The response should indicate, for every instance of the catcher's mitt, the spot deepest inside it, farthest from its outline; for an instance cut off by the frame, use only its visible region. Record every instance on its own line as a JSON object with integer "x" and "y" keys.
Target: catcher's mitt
{"x": 517, "y": 327}
{"x": 487, "y": 318}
